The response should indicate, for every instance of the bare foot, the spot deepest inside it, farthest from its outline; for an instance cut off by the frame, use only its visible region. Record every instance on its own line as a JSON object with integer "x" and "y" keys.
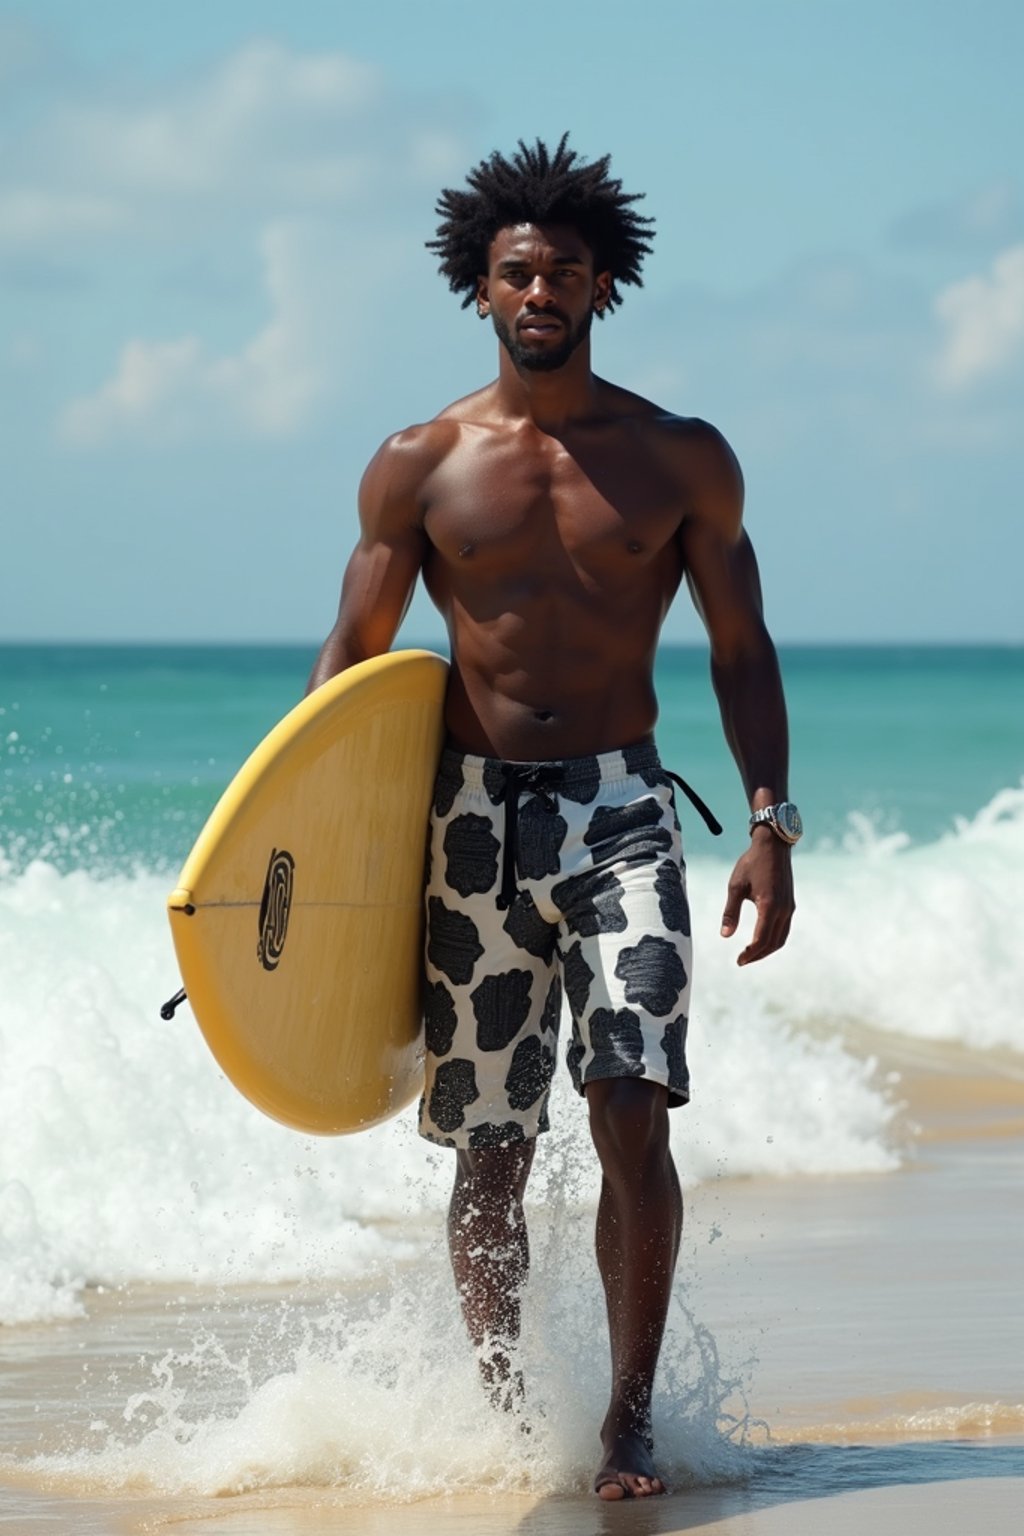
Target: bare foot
{"x": 504, "y": 1385}
{"x": 627, "y": 1471}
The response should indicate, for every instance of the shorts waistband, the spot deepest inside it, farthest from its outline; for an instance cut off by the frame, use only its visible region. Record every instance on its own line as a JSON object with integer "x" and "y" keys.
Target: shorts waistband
{"x": 596, "y": 768}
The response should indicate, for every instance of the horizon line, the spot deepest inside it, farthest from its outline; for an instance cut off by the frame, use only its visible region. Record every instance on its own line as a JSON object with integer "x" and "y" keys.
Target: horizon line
{"x": 416, "y": 643}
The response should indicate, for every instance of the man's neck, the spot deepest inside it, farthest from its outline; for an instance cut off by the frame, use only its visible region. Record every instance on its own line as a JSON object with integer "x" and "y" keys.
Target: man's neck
{"x": 550, "y": 400}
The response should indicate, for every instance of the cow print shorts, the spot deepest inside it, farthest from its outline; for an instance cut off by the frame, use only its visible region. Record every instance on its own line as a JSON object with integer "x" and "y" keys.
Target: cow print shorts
{"x": 589, "y": 894}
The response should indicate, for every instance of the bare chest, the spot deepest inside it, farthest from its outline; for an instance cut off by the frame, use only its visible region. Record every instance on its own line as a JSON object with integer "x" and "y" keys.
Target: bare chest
{"x": 502, "y": 506}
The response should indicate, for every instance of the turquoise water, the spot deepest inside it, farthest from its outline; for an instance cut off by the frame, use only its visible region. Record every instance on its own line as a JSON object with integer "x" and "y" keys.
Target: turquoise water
{"x": 113, "y": 755}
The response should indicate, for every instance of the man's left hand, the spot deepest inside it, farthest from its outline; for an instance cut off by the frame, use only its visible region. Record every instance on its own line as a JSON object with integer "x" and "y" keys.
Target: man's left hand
{"x": 763, "y": 875}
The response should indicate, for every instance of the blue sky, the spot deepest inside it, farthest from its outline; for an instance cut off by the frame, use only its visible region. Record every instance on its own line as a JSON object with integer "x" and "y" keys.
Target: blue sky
{"x": 215, "y": 302}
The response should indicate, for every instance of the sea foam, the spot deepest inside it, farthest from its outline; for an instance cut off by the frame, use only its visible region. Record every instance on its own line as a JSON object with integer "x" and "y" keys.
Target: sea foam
{"x": 124, "y": 1154}
{"x": 315, "y": 1394}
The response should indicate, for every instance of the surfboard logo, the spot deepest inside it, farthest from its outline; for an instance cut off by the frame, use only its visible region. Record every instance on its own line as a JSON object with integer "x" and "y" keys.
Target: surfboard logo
{"x": 275, "y": 905}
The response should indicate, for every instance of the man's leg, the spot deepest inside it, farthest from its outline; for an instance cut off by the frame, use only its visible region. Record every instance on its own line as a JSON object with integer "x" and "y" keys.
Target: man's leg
{"x": 490, "y": 1256}
{"x": 492, "y": 998}
{"x": 626, "y": 953}
{"x": 639, "y": 1224}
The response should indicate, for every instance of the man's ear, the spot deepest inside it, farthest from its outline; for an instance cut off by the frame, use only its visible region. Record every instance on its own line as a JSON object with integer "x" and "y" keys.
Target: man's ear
{"x": 483, "y": 302}
{"x": 602, "y": 291}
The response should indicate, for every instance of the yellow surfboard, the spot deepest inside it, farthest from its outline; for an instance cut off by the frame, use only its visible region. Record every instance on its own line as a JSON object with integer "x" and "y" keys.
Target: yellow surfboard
{"x": 297, "y": 919}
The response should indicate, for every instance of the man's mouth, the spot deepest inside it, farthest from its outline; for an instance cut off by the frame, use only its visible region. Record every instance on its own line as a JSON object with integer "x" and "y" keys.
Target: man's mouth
{"x": 540, "y": 326}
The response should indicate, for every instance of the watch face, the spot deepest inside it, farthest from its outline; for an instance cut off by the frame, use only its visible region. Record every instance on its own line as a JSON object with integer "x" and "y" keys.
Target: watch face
{"x": 789, "y": 821}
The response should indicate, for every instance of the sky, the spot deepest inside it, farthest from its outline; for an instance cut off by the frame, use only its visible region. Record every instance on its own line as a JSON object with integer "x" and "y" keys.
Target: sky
{"x": 215, "y": 300}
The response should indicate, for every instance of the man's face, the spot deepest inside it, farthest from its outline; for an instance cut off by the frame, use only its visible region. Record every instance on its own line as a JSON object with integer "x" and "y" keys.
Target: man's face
{"x": 541, "y": 292}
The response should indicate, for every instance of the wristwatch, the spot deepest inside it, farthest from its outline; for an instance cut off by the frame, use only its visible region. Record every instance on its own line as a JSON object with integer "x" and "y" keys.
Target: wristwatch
{"x": 784, "y": 820}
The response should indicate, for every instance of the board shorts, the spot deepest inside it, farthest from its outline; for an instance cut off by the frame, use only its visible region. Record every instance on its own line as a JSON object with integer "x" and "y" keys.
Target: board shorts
{"x": 544, "y": 877}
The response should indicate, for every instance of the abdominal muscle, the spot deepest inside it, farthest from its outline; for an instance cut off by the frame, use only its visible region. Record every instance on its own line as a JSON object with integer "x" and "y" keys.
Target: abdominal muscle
{"x": 516, "y": 692}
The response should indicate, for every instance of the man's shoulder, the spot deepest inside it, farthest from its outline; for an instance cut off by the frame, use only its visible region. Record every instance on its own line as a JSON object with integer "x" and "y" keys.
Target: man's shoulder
{"x": 661, "y": 423}
{"x": 422, "y": 446}
{"x": 417, "y": 446}
{"x": 478, "y": 409}
{"x": 700, "y": 446}
{"x": 405, "y": 461}
{"x": 694, "y": 453}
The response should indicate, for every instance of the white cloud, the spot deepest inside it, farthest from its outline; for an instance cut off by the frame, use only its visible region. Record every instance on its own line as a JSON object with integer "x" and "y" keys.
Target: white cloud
{"x": 163, "y": 391}
{"x": 151, "y": 378}
{"x": 983, "y": 318}
{"x": 268, "y": 133}
{"x": 310, "y": 157}
{"x": 267, "y": 121}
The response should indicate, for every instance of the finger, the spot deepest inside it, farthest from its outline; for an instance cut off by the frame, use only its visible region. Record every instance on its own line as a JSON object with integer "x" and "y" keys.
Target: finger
{"x": 769, "y": 934}
{"x": 757, "y": 938}
{"x": 733, "y": 907}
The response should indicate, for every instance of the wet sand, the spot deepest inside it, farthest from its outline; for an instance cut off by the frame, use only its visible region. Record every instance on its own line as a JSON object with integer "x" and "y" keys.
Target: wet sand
{"x": 988, "y": 1503}
{"x": 880, "y": 1316}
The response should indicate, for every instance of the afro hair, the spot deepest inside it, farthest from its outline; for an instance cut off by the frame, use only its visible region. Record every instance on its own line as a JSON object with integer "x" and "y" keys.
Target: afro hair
{"x": 538, "y": 187}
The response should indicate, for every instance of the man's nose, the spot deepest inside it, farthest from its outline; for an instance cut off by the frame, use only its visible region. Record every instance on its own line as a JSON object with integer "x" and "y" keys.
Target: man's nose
{"x": 539, "y": 292}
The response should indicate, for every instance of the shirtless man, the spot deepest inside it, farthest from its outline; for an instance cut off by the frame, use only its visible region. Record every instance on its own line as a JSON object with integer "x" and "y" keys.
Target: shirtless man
{"x": 552, "y": 516}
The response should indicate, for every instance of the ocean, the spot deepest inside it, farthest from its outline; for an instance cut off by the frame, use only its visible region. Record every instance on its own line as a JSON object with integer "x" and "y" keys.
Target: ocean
{"x": 129, "y": 1169}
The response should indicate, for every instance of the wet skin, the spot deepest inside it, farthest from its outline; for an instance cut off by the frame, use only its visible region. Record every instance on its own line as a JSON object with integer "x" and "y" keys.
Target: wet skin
{"x": 553, "y": 516}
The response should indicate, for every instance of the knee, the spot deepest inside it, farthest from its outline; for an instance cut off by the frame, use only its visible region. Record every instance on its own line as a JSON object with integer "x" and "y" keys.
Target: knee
{"x": 628, "y": 1123}
{"x": 494, "y": 1175}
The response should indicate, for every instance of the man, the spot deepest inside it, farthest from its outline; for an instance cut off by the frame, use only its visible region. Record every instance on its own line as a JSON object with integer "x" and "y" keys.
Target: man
{"x": 553, "y": 516}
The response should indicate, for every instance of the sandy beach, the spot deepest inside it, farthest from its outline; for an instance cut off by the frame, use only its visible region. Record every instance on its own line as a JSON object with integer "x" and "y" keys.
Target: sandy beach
{"x": 860, "y": 1342}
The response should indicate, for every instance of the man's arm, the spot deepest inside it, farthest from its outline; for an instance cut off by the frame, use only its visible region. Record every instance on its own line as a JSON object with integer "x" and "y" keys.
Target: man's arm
{"x": 722, "y": 575}
{"x": 381, "y": 574}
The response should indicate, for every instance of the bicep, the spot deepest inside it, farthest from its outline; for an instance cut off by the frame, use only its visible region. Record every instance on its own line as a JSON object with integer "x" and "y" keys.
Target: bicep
{"x": 721, "y": 568}
{"x": 723, "y": 579}
{"x": 376, "y": 590}
{"x": 381, "y": 573}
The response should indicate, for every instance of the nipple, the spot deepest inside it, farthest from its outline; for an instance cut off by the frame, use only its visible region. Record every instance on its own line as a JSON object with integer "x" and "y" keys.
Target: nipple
{"x": 467, "y": 549}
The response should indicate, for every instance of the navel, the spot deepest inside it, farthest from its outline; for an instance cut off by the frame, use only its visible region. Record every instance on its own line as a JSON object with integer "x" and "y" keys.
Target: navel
{"x": 635, "y": 547}
{"x": 544, "y": 715}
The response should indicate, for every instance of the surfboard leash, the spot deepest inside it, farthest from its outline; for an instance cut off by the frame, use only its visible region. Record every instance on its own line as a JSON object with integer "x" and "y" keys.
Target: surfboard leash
{"x": 173, "y": 1003}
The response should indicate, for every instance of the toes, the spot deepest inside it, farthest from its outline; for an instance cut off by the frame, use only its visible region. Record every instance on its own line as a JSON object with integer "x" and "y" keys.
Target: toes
{"x": 637, "y": 1486}
{"x": 629, "y": 1485}
{"x": 611, "y": 1490}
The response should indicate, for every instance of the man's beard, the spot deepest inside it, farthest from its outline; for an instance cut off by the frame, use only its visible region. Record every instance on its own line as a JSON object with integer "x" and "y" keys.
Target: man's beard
{"x": 536, "y": 359}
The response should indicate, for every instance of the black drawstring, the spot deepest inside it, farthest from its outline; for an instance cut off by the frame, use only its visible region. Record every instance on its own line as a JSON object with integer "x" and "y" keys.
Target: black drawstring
{"x": 544, "y": 780}
{"x": 538, "y": 779}
{"x": 711, "y": 821}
